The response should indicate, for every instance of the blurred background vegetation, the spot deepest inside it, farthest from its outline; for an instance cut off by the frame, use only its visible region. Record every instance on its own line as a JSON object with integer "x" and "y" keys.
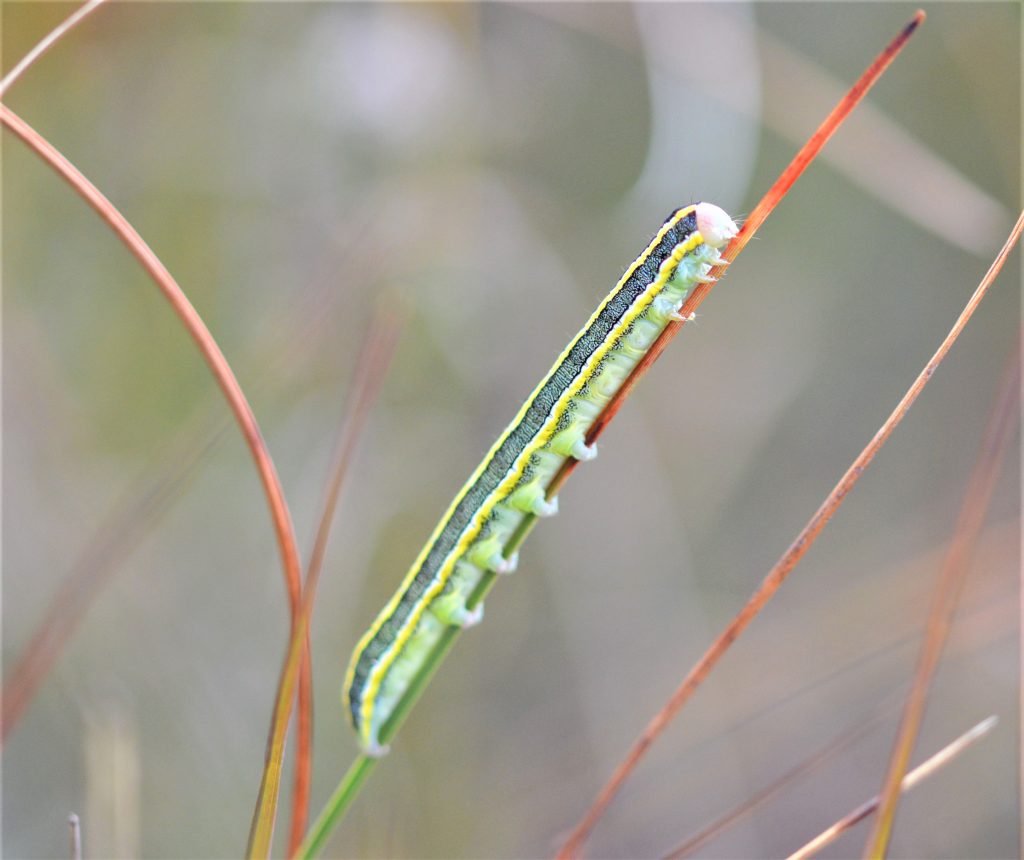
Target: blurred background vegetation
{"x": 495, "y": 167}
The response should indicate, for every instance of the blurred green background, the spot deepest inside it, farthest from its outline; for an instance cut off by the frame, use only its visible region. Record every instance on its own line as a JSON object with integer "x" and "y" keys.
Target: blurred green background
{"x": 496, "y": 167}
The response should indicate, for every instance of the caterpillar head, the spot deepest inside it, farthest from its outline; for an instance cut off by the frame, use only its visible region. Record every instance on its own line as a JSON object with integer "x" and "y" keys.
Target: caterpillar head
{"x": 715, "y": 226}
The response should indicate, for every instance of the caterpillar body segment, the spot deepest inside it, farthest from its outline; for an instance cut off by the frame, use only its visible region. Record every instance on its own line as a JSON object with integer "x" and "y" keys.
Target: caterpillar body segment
{"x": 571, "y": 442}
{"x": 509, "y": 485}
{"x": 529, "y": 498}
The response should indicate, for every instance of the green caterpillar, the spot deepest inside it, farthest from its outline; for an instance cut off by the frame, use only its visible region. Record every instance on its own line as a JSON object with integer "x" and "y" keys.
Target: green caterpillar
{"x": 510, "y": 483}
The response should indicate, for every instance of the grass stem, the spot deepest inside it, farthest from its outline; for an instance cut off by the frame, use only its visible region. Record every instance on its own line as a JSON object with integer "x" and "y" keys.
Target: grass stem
{"x": 777, "y": 191}
{"x": 223, "y": 374}
{"x": 977, "y": 498}
{"x": 928, "y": 767}
{"x": 47, "y": 42}
{"x": 785, "y": 565}
{"x": 337, "y": 805}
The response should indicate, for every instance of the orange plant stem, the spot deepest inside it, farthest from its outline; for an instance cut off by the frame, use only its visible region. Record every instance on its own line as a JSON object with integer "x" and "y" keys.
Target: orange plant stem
{"x": 807, "y": 153}
{"x": 195, "y": 326}
{"x": 283, "y": 529}
{"x": 777, "y": 575}
{"x": 975, "y": 506}
{"x": 374, "y": 359}
{"x": 924, "y": 770}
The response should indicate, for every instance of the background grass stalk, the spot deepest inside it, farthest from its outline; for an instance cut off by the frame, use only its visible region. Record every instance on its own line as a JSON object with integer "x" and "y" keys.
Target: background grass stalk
{"x": 928, "y": 767}
{"x": 222, "y": 373}
{"x": 783, "y": 567}
{"x": 341, "y": 800}
{"x": 982, "y": 483}
{"x": 47, "y": 42}
{"x": 371, "y": 368}
{"x": 369, "y": 374}
{"x": 348, "y": 789}
{"x": 839, "y": 744}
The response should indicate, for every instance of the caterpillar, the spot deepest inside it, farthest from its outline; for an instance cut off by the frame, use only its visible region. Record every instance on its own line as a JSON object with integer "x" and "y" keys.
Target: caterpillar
{"x": 509, "y": 484}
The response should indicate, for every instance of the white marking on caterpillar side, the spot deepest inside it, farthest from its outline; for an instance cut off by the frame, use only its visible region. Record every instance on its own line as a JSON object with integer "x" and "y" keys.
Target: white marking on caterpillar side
{"x": 529, "y": 499}
{"x": 468, "y": 617}
{"x": 505, "y": 566}
{"x": 376, "y": 750}
{"x": 584, "y": 452}
{"x": 545, "y": 507}
{"x": 663, "y": 308}
{"x": 570, "y": 442}
{"x": 468, "y": 544}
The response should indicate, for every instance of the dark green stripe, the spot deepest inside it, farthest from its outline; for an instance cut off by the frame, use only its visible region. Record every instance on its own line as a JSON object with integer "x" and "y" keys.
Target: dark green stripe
{"x": 559, "y": 378}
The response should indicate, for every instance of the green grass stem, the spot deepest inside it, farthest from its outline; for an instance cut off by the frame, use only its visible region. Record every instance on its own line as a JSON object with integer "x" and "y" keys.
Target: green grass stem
{"x": 337, "y": 806}
{"x": 352, "y": 782}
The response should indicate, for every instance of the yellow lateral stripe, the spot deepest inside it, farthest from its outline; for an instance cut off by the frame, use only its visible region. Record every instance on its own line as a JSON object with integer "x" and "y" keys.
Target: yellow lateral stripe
{"x": 392, "y": 604}
{"x": 388, "y": 657}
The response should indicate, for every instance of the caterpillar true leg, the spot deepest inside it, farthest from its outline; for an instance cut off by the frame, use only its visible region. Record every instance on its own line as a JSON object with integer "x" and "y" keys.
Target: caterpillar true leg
{"x": 512, "y": 480}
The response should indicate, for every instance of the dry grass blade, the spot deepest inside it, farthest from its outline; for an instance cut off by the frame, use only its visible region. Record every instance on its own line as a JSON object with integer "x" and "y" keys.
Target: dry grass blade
{"x": 75, "y": 837}
{"x": 47, "y": 42}
{"x": 777, "y": 575}
{"x": 807, "y": 153}
{"x": 211, "y": 352}
{"x": 369, "y": 375}
{"x": 807, "y": 766}
{"x": 126, "y": 526}
{"x": 370, "y": 372}
{"x": 136, "y": 515}
{"x": 195, "y": 326}
{"x": 768, "y": 202}
{"x": 918, "y": 774}
{"x": 912, "y": 175}
{"x": 982, "y": 483}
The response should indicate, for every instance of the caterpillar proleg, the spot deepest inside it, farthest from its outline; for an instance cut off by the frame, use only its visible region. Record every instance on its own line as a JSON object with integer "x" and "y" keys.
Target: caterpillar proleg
{"x": 509, "y": 484}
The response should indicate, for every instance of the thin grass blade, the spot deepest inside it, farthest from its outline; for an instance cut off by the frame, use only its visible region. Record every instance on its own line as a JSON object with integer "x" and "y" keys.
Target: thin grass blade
{"x": 370, "y": 370}
{"x": 778, "y": 574}
{"x": 767, "y": 203}
{"x": 998, "y": 433}
{"x": 915, "y": 777}
{"x": 47, "y": 42}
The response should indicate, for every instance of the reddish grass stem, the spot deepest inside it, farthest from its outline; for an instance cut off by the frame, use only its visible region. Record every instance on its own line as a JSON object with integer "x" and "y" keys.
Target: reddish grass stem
{"x": 371, "y": 368}
{"x": 374, "y": 358}
{"x": 982, "y": 483}
{"x": 137, "y": 512}
{"x": 777, "y": 575}
{"x": 715, "y": 829}
{"x": 807, "y": 153}
{"x": 195, "y": 326}
{"x": 768, "y": 202}
{"x": 47, "y": 42}
{"x": 928, "y": 767}
{"x": 122, "y": 531}
{"x": 211, "y": 352}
